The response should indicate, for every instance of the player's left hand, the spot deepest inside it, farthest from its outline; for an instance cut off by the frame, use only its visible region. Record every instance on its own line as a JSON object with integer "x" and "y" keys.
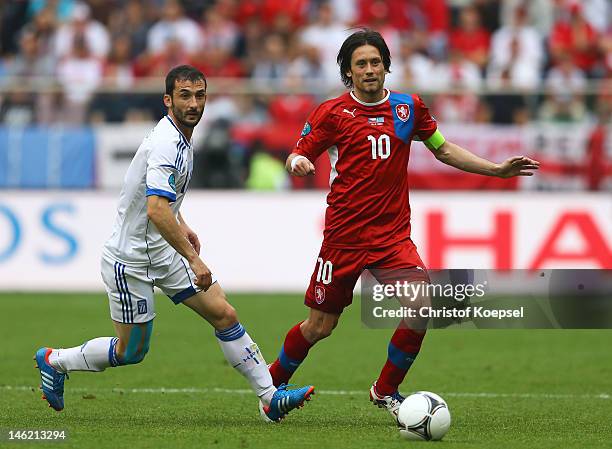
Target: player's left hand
{"x": 517, "y": 166}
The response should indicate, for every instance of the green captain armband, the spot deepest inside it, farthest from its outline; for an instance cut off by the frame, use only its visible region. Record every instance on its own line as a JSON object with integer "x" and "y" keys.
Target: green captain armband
{"x": 435, "y": 141}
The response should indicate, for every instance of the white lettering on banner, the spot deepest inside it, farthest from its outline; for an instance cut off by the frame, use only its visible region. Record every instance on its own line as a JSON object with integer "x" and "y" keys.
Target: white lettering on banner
{"x": 56, "y": 238}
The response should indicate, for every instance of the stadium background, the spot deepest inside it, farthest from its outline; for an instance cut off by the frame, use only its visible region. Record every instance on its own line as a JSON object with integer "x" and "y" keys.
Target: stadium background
{"x": 80, "y": 86}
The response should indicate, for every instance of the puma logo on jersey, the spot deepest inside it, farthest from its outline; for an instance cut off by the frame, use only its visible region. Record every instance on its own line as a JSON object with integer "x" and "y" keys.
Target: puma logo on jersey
{"x": 352, "y": 113}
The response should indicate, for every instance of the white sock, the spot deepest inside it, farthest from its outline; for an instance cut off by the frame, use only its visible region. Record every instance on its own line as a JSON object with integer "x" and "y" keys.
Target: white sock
{"x": 243, "y": 354}
{"x": 93, "y": 355}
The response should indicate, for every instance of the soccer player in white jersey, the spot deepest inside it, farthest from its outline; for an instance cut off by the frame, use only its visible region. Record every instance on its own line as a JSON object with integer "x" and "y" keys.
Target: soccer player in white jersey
{"x": 151, "y": 245}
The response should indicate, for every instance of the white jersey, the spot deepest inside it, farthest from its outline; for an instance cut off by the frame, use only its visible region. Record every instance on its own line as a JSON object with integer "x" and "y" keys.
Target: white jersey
{"x": 162, "y": 166}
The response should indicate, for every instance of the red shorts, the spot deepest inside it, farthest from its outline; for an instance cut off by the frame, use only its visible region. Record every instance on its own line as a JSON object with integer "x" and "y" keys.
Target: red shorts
{"x": 337, "y": 270}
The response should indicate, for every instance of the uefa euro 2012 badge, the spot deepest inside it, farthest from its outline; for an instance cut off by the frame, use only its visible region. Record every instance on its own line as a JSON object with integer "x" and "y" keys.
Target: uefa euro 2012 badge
{"x": 172, "y": 182}
{"x": 306, "y": 130}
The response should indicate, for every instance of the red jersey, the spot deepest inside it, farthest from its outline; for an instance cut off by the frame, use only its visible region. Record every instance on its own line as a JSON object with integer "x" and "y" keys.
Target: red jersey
{"x": 369, "y": 147}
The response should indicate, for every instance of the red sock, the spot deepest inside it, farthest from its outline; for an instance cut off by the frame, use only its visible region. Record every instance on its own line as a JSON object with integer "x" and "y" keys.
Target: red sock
{"x": 403, "y": 349}
{"x": 294, "y": 351}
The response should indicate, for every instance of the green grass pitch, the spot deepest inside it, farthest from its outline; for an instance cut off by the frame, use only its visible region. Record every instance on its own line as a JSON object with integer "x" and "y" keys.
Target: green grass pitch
{"x": 505, "y": 388}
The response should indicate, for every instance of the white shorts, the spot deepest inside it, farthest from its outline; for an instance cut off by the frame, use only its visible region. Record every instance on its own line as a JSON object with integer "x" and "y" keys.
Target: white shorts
{"x": 130, "y": 288}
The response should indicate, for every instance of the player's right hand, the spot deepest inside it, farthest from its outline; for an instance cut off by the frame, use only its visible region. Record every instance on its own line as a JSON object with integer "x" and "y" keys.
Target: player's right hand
{"x": 303, "y": 167}
{"x": 298, "y": 165}
{"x": 203, "y": 275}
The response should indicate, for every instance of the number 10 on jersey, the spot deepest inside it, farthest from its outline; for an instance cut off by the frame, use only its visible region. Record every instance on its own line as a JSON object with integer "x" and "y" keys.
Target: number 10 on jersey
{"x": 381, "y": 147}
{"x": 324, "y": 274}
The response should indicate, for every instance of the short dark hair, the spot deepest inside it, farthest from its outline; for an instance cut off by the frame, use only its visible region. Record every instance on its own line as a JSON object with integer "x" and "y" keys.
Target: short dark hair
{"x": 183, "y": 73}
{"x": 364, "y": 36}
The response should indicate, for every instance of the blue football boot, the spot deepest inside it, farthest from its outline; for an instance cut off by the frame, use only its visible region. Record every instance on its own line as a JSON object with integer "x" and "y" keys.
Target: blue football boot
{"x": 284, "y": 401}
{"x": 52, "y": 381}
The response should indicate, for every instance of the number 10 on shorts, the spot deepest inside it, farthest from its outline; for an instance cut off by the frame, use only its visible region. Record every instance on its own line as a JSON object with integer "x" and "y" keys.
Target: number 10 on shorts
{"x": 324, "y": 274}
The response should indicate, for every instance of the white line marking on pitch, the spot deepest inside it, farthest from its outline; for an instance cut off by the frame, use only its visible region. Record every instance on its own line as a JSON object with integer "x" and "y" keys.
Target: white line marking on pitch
{"x": 604, "y": 396}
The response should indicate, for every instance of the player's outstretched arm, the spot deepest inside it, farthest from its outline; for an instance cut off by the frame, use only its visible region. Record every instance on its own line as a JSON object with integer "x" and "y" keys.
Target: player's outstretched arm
{"x": 298, "y": 165}
{"x": 458, "y": 157}
{"x": 159, "y": 212}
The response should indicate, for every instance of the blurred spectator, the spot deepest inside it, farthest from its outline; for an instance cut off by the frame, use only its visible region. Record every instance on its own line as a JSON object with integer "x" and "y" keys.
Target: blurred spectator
{"x": 29, "y": 68}
{"x": 218, "y": 165}
{"x": 250, "y": 112}
{"x": 30, "y": 63}
{"x": 94, "y": 34}
{"x": 517, "y": 48}
{"x": 540, "y": 13}
{"x": 287, "y": 116}
{"x": 266, "y": 172}
{"x": 308, "y": 67}
{"x": 605, "y": 45}
{"x": 327, "y": 36}
{"x": 505, "y": 106}
{"x": 247, "y": 11}
{"x": 118, "y": 72}
{"x": 79, "y": 74}
{"x": 437, "y": 22}
{"x": 294, "y": 10}
{"x": 463, "y": 77}
{"x": 43, "y": 25}
{"x": 381, "y": 21}
{"x": 431, "y": 17}
{"x": 410, "y": 70}
{"x": 283, "y": 26}
{"x": 249, "y": 41}
{"x": 471, "y": 38}
{"x": 158, "y": 64}
{"x": 489, "y": 13}
{"x": 101, "y": 10}
{"x": 174, "y": 25}
{"x": 218, "y": 32}
{"x": 13, "y": 15}
{"x": 597, "y": 12}
{"x": 131, "y": 20}
{"x": 272, "y": 63}
{"x": 118, "y": 69}
{"x": 574, "y": 35}
{"x": 62, "y": 9}
{"x": 345, "y": 11}
{"x": 196, "y": 8}
{"x": 564, "y": 84}
{"x": 598, "y": 165}
{"x": 458, "y": 73}
{"x": 217, "y": 62}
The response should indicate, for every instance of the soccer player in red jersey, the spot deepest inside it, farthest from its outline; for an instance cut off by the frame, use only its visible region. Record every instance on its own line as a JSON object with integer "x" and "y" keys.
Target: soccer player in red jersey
{"x": 367, "y": 133}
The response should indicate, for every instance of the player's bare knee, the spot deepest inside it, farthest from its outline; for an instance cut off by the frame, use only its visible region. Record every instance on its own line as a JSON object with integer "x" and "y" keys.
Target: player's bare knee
{"x": 230, "y": 316}
{"x": 315, "y": 330}
{"x": 227, "y": 318}
{"x": 324, "y": 331}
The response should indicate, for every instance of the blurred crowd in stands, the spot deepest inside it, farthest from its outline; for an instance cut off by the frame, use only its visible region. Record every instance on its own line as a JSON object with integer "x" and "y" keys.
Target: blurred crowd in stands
{"x": 474, "y": 61}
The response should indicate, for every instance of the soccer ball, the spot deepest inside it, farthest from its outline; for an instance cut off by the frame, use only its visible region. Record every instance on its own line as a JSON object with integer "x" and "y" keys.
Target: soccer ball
{"x": 423, "y": 416}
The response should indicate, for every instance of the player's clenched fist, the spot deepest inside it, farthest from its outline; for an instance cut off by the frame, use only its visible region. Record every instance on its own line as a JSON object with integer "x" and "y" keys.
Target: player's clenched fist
{"x": 299, "y": 165}
{"x": 203, "y": 275}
